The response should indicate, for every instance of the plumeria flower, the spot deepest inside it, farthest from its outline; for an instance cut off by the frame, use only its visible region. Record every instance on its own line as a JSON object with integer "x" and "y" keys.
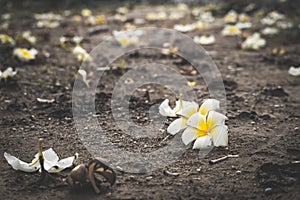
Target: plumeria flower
{"x": 28, "y": 37}
{"x": 207, "y": 127}
{"x": 77, "y": 39}
{"x": 51, "y": 162}
{"x": 231, "y": 30}
{"x": 200, "y": 25}
{"x": 205, "y": 39}
{"x": 206, "y": 17}
{"x": 270, "y": 31}
{"x": 176, "y": 15}
{"x": 81, "y": 54}
{"x": 294, "y": 71}
{"x": 120, "y": 18}
{"x": 122, "y": 10}
{"x": 25, "y": 55}
{"x": 48, "y": 20}
{"x": 128, "y": 38}
{"x": 5, "y": 39}
{"x": 86, "y": 12}
{"x": 254, "y": 42}
{"x": 152, "y": 16}
{"x": 182, "y": 7}
{"x": 244, "y": 17}
{"x": 95, "y": 20}
{"x": 184, "y": 28}
{"x": 284, "y": 24}
{"x": 231, "y": 17}
{"x": 169, "y": 49}
{"x": 9, "y": 72}
{"x": 272, "y": 17}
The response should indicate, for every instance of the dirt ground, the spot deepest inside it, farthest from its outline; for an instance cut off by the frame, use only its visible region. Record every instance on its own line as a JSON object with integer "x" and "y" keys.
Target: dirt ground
{"x": 263, "y": 104}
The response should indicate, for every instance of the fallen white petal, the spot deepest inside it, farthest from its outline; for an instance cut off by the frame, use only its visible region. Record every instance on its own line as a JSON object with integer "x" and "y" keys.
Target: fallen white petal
{"x": 176, "y": 126}
{"x": 62, "y": 164}
{"x": 45, "y": 100}
{"x": 189, "y": 135}
{"x": 220, "y": 136}
{"x": 208, "y": 105}
{"x": 202, "y": 142}
{"x": 294, "y": 71}
{"x": 166, "y": 110}
{"x": 18, "y": 164}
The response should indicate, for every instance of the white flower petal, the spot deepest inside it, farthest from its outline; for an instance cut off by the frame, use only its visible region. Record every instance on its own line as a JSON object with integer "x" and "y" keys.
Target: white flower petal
{"x": 220, "y": 136}
{"x": 215, "y": 118}
{"x": 188, "y": 109}
{"x": 202, "y": 142}
{"x": 176, "y": 126}
{"x": 196, "y": 121}
{"x": 62, "y": 164}
{"x": 189, "y": 135}
{"x": 166, "y": 110}
{"x": 208, "y": 105}
{"x": 18, "y": 164}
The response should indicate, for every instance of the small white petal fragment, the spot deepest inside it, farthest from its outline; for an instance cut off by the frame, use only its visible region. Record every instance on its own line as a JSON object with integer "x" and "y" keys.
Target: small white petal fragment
{"x": 294, "y": 71}
{"x": 202, "y": 142}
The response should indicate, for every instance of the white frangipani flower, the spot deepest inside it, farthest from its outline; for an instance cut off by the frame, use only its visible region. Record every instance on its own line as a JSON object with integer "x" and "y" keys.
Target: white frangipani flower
{"x": 205, "y": 39}
{"x": 5, "y": 39}
{"x": 270, "y": 31}
{"x": 254, "y": 42}
{"x": 231, "y": 17}
{"x": 25, "y": 55}
{"x": 184, "y": 28}
{"x": 231, "y": 30}
{"x": 128, "y": 38}
{"x": 294, "y": 71}
{"x": 52, "y": 164}
{"x": 28, "y": 37}
{"x": 9, "y": 72}
{"x": 207, "y": 127}
{"x": 81, "y": 54}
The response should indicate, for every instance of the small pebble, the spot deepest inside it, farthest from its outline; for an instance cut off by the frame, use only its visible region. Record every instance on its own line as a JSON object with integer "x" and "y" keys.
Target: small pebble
{"x": 199, "y": 169}
{"x": 238, "y": 172}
